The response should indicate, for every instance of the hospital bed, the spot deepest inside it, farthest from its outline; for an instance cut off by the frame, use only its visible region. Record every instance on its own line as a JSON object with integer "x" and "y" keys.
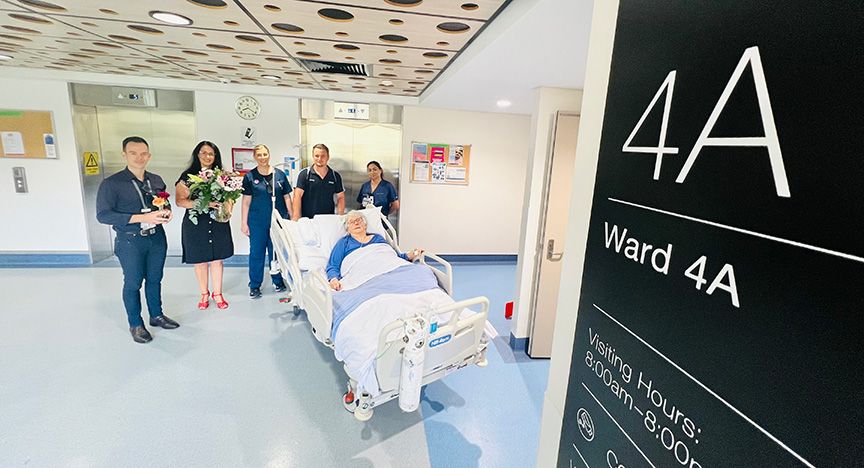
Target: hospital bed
{"x": 455, "y": 340}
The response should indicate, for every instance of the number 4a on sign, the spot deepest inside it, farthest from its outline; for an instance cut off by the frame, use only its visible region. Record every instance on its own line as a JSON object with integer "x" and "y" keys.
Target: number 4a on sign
{"x": 770, "y": 140}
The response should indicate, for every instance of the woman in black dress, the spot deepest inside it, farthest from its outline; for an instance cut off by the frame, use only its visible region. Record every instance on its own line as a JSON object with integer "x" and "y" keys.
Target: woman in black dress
{"x": 209, "y": 242}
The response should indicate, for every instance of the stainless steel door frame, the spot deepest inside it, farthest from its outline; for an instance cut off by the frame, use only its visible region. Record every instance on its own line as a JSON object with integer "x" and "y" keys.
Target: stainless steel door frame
{"x": 86, "y": 127}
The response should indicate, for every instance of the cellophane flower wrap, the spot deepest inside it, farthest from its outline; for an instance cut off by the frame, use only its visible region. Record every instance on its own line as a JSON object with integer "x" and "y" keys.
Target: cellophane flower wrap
{"x": 214, "y": 185}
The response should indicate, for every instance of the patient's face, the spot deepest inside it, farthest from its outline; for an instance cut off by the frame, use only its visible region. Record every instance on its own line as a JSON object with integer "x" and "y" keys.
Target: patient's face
{"x": 356, "y": 225}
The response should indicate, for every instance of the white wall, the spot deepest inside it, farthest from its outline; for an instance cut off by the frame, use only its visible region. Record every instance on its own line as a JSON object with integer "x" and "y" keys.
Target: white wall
{"x": 587, "y": 150}
{"x": 50, "y": 217}
{"x": 482, "y": 217}
{"x": 278, "y": 127}
{"x": 547, "y": 102}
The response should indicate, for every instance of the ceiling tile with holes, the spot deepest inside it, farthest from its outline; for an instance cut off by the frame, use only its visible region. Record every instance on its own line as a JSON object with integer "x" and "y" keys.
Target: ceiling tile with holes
{"x": 362, "y": 25}
{"x": 210, "y": 17}
{"x": 142, "y": 36}
{"x": 367, "y": 54}
{"x": 470, "y": 9}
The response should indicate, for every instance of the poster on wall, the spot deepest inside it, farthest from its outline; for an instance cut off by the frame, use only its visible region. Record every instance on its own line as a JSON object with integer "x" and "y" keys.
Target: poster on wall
{"x": 719, "y": 322}
{"x": 243, "y": 160}
{"x": 420, "y": 152}
{"x": 440, "y": 163}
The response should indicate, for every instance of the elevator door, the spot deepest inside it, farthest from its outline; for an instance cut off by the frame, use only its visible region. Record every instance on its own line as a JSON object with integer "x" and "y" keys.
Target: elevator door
{"x": 352, "y": 145}
{"x": 171, "y": 137}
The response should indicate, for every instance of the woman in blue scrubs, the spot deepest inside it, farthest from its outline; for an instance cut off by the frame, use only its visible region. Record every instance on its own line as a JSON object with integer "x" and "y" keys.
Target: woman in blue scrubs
{"x": 261, "y": 186}
{"x": 377, "y": 191}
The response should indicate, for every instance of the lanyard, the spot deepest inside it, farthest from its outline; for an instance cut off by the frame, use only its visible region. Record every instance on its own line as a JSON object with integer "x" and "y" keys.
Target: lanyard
{"x": 144, "y": 207}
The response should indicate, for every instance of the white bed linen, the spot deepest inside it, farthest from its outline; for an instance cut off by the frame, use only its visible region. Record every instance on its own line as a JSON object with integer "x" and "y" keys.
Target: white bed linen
{"x": 368, "y": 262}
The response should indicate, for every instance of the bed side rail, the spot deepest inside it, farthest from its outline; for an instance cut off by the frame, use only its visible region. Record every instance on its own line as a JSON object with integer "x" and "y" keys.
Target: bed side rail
{"x": 318, "y": 302}
{"x": 450, "y": 326}
{"x": 390, "y": 234}
{"x": 286, "y": 255}
{"x": 454, "y": 344}
{"x": 445, "y": 277}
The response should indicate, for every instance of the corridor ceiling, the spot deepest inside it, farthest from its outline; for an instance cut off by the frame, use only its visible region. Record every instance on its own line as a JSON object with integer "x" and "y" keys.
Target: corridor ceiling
{"x": 403, "y": 44}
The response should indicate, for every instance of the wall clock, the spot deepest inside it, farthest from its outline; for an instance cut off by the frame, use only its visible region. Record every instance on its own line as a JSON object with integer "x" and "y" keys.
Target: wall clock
{"x": 247, "y": 107}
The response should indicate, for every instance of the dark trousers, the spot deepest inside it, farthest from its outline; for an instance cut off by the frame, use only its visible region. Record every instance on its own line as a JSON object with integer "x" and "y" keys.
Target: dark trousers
{"x": 142, "y": 259}
{"x": 260, "y": 255}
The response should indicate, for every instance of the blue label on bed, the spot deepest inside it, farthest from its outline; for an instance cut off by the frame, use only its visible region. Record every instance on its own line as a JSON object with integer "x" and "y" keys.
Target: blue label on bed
{"x": 433, "y": 328}
{"x": 438, "y": 341}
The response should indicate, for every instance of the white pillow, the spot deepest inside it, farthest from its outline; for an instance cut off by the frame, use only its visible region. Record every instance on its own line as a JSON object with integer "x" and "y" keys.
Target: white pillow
{"x": 330, "y": 229}
{"x": 312, "y": 258}
{"x": 373, "y": 220}
{"x": 307, "y": 232}
{"x": 293, "y": 231}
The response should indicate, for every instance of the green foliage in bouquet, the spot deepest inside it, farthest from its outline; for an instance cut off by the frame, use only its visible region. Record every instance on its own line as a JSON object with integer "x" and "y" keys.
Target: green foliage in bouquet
{"x": 214, "y": 185}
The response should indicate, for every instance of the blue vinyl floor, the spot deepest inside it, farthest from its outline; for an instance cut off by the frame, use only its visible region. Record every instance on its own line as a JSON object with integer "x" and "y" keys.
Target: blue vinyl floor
{"x": 247, "y": 386}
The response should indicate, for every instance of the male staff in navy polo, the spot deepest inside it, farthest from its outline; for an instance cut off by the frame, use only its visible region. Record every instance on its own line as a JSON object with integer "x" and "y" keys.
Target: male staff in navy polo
{"x": 316, "y": 187}
{"x": 125, "y": 201}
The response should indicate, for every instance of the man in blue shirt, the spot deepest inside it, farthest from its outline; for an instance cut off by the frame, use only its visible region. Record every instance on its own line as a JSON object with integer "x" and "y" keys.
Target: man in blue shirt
{"x": 125, "y": 201}
{"x": 316, "y": 186}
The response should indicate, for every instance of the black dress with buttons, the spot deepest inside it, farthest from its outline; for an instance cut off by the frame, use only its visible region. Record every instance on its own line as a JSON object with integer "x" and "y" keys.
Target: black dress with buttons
{"x": 207, "y": 241}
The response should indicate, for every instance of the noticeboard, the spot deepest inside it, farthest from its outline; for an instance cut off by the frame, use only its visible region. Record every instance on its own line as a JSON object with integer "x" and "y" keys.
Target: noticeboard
{"x": 27, "y": 134}
{"x": 433, "y": 163}
{"x": 719, "y": 322}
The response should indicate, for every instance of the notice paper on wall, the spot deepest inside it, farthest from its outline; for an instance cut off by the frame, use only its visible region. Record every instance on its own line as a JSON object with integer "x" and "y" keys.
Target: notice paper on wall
{"x": 50, "y": 148}
{"x": 421, "y": 172}
{"x": 13, "y": 143}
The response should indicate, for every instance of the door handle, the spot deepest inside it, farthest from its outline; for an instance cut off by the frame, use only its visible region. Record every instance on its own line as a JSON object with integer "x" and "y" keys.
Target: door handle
{"x": 550, "y": 252}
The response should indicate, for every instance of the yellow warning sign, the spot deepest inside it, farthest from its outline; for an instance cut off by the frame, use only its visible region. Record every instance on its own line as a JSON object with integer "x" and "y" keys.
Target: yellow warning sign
{"x": 91, "y": 163}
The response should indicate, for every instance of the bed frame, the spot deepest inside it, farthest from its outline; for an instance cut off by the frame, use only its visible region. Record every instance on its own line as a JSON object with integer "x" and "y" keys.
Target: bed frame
{"x": 311, "y": 293}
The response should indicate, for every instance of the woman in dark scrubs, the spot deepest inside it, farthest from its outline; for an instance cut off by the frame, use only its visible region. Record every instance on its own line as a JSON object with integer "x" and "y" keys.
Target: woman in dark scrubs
{"x": 261, "y": 186}
{"x": 377, "y": 191}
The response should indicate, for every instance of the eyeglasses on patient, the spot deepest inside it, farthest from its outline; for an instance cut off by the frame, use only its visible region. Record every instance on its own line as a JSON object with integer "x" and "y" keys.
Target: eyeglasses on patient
{"x": 354, "y": 221}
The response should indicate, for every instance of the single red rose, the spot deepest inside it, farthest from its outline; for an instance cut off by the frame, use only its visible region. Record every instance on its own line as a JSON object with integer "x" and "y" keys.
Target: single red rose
{"x": 163, "y": 195}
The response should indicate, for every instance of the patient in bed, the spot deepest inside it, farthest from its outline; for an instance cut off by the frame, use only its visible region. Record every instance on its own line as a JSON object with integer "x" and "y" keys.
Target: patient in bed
{"x": 357, "y": 238}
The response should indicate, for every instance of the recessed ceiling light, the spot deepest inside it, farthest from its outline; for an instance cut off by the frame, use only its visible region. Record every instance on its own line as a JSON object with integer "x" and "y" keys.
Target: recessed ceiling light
{"x": 171, "y": 18}
{"x": 270, "y": 77}
{"x": 387, "y": 83}
{"x": 504, "y": 103}
{"x": 5, "y": 57}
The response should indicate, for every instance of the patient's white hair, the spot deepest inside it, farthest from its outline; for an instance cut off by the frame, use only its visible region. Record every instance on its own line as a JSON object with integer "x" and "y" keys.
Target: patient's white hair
{"x": 354, "y": 214}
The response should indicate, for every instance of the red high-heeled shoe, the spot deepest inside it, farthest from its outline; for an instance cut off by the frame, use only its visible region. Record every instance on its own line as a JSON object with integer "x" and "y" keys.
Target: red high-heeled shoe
{"x": 220, "y": 303}
{"x": 205, "y": 301}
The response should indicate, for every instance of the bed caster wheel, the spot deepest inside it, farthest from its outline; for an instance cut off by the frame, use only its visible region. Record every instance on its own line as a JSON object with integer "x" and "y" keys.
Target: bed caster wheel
{"x": 363, "y": 415}
{"x": 483, "y": 363}
{"x": 364, "y": 407}
{"x": 349, "y": 401}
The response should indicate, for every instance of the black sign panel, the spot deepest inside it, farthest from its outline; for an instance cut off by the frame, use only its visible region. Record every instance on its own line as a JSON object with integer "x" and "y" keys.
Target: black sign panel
{"x": 721, "y": 320}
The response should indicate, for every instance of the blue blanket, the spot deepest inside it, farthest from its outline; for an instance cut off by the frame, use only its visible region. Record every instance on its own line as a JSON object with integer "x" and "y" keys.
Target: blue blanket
{"x": 408, "y": 279}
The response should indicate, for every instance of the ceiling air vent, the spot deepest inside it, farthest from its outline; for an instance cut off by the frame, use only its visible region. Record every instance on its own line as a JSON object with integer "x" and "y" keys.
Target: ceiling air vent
{"x": 317, "y": 66}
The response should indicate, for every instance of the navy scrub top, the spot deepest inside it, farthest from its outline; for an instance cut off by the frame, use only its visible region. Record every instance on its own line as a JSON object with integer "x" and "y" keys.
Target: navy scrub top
{"x": 258, "y": 187}
{"x": 384, "y": 195}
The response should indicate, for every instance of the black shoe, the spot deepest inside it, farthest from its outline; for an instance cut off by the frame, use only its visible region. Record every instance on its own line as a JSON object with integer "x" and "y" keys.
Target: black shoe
{"x": 280, "y": 287}
{"x": 140, "y": 334}
{"x": 164, "y": 322}
{"x": 254, "y": 293}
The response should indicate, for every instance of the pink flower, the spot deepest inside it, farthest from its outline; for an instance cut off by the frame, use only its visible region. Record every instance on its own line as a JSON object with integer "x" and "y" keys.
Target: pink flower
{"x": 205, "y": 174}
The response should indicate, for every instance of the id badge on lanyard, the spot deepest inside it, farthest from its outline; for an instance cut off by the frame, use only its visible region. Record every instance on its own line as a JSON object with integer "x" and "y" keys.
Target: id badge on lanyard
{"x": 144, "y": 207}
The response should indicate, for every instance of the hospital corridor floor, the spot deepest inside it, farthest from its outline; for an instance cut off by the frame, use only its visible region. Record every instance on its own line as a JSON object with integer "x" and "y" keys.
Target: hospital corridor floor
{"x": 247, "y": 386}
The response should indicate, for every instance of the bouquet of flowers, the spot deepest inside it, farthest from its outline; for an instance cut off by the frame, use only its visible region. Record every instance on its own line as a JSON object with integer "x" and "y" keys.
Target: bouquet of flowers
{"x": 214, "y": 185}
{"x": 160, "y": 201}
